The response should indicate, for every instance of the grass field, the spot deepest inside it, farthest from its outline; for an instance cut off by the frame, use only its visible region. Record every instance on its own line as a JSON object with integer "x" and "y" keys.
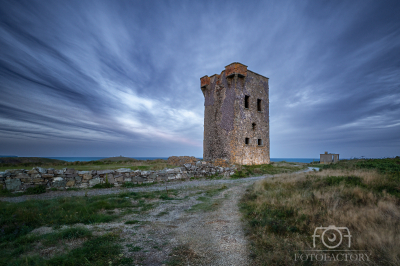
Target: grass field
{"x": 17, "y": 220}
{"x": 362, "y": 195}
{"x": 270, "y": 169}
{"x": 109, "y": 164}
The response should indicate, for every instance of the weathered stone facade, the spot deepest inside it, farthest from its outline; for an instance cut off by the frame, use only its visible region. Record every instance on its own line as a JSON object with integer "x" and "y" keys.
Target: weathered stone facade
{"x": 328, "y": 158}
{"x": 236, "y": 116}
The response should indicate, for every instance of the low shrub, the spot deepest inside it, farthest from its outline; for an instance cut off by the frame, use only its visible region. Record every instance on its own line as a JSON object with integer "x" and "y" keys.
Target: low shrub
{"x": 36, "y": 190}
{"x": 103, "y": 185}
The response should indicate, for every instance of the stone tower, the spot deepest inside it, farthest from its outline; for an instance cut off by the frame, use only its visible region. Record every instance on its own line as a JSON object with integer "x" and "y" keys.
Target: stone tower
{"x": 236, "y": 116}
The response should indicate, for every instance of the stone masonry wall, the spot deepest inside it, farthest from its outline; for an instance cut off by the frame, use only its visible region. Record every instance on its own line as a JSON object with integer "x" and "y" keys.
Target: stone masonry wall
{"x": 20, "y": 179}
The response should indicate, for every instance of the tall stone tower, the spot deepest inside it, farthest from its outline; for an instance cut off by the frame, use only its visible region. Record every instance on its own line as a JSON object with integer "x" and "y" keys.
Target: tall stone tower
{"x": 236, "y": 116}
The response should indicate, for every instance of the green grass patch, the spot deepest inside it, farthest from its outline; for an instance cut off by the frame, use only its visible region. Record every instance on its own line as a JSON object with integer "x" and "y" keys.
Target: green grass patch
{"x": 101, "y": 250}
{"x": 65, "y": 234}
{"x": 18, "y": 219}
{"x": 208, "y": 203}
{"x": 270, "y": 169}
{"x": 107, "y": 164}
{"x": 132, "y": 248}
{"x": 103, "y": 185}
{"x": 29, "y": 191}
{"x": 387, "y": 165}
{"x": 36, "y": 190}
{"x": 132, "y": 222}
{"x": 131, "y": 184}
{"x": 165, "y": 196}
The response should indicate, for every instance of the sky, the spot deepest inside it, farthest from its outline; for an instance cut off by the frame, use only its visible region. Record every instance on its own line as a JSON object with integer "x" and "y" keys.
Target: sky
{"x": 110, "y": 78}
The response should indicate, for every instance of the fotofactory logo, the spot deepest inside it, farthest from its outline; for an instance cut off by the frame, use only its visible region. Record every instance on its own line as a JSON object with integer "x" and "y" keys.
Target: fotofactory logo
{"x": 336, "y": 236}
{"x": 332, "y": 237}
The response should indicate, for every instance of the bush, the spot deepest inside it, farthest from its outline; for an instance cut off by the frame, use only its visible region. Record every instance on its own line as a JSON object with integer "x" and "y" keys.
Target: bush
{"x": 239, "y": 174}
{"x": 103, "y": 185}
{"x": 36, "y": 190}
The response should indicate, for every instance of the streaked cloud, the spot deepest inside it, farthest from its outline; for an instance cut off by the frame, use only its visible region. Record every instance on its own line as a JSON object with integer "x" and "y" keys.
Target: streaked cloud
{"x": 122, "y": 77}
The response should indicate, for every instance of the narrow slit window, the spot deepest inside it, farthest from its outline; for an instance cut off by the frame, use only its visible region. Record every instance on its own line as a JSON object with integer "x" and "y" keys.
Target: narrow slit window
{"x": 259, "y": 105}
{"x": 246, "y": 101}
{"x": 247, "y": 141}
{"x": 253, "y": 126}
{"x": 260, "y": 142}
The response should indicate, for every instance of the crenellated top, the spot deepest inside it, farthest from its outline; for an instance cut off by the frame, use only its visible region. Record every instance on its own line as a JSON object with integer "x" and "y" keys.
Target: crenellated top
{"x": 231, "y": 70}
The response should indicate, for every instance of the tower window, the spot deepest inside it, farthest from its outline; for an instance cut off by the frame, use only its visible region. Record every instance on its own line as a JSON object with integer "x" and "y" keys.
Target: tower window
{"x": 259, "y": 105}
{"x": 260, "y": 142}
{"x": 253, "y": 126}
{"x": 246, "y": 101}
{"x": 247, "y": 141}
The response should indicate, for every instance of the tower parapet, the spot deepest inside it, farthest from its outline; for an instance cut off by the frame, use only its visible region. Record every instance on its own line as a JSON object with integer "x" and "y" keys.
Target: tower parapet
{"x": 236, "y": 69}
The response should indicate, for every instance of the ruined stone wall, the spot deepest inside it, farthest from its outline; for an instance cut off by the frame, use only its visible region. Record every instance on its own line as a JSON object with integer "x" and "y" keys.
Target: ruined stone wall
{"x": 226, "y": 120}
{"x": 20, "y": 179}
{"x": 328, "y": 158}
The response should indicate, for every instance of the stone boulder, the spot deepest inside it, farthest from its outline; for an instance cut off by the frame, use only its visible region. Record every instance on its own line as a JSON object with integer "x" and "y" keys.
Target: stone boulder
{"x": 87, "y": 176}
{"x": 33, "y": 171}
{"x": 59, "y": 172}
{"x": 103, "y": 172}
{"x": 24, "y": 177}
{"x": 70, "y": 183}
{"x": 13, "y": 184}
{"x": 81, "y": 173}
{"x": 119, "y": 178}
{"x": 123, "y": 170}
{"x": 41, "y": 170}
{"x": 94, "y": 181}
{"x": 59, "y": 182}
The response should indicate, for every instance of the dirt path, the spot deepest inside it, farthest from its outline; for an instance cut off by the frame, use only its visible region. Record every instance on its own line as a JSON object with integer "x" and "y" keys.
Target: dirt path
{"x": 217, "y": 238}
{"x": 195, "y": 229}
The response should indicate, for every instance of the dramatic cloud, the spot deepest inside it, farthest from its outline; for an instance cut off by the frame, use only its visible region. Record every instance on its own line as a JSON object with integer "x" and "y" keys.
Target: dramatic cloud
{"x": 104, "y": 78}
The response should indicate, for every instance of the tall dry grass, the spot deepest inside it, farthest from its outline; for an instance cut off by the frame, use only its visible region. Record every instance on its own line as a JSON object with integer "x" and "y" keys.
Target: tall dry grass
{"x": 282, "y": 213}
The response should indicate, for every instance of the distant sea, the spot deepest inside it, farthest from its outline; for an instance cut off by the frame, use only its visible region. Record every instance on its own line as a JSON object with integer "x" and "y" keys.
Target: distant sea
{"x": 85, "y": 159}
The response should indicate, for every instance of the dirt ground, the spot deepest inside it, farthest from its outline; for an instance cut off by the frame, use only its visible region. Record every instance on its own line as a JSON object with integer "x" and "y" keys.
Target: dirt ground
{"x": 178, "y": 233}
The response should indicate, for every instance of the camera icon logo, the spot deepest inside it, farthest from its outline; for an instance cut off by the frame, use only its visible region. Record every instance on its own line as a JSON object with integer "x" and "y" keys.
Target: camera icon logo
{"x": 332, "y": 236}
